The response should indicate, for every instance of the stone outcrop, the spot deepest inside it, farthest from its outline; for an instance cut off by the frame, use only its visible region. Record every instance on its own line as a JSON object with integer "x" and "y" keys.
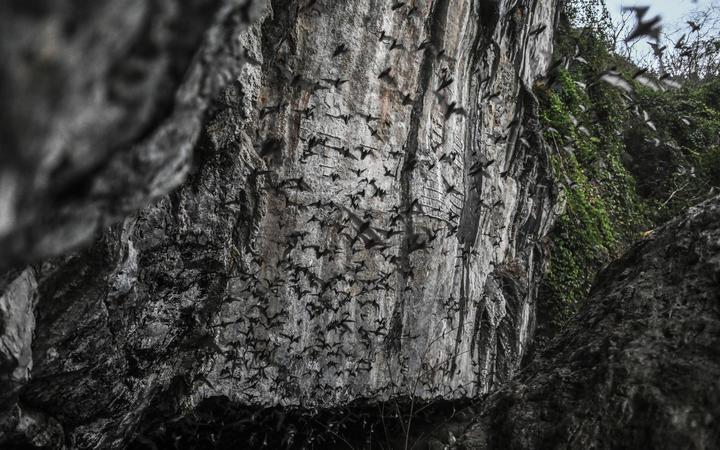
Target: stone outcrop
{"x": 638, "y": 366}
{"x": 362, "y": 195}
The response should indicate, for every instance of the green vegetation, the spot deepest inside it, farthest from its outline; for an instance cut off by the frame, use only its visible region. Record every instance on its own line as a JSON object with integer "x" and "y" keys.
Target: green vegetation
{"x": 628, "y": 161}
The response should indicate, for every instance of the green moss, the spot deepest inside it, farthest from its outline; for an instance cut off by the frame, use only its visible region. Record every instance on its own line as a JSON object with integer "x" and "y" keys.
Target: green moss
{"x": 620, "y": 177}
{"x": 603, "y": 212}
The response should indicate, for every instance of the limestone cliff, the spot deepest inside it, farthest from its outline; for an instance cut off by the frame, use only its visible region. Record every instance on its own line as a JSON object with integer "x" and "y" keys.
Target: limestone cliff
{"x": 362, "y": 196}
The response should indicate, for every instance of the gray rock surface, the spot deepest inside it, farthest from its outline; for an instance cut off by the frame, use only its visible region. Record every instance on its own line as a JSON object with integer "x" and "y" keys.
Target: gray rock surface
{"x": 17, "y": 306}
{"x": 101, "y": 103}
{"x": 342, "y": 231}
{"x": 638, "y": 366}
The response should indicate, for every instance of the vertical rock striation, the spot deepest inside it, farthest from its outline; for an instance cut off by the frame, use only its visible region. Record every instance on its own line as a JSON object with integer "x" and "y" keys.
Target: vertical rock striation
{"x": 361, "y": 217}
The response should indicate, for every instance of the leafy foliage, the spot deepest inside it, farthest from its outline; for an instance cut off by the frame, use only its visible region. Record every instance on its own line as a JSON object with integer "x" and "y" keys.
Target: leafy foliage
{"x": 627, "y": 161}
{"x": 677, "y": 165}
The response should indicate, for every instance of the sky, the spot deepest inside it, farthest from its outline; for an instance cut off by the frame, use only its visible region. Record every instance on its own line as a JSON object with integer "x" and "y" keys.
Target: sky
{"x": 672, "y": 11}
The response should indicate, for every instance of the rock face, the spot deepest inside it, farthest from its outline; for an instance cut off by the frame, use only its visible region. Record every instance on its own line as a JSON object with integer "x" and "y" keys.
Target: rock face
{"x": 100, "y": 106}
{"x": 361, "y": 218}
{"x": 638, "y": 366}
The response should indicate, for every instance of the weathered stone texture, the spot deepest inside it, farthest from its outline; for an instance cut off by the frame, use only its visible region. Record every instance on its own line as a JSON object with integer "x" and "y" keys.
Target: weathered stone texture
{"x": 638, "y": 366}
{"x": 344, "y": 231}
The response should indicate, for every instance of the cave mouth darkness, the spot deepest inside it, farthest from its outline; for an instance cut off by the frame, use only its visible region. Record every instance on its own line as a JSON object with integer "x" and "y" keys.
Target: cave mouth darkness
{"x": 219, "y": 423}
